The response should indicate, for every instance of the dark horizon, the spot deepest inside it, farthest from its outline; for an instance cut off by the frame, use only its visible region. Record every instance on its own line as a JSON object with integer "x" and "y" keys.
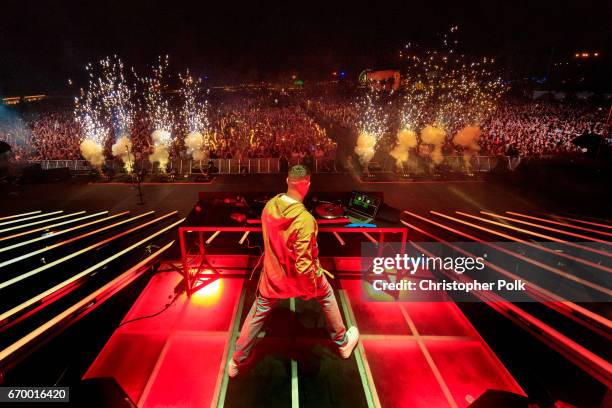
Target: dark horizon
{"x": 46, "y": 43}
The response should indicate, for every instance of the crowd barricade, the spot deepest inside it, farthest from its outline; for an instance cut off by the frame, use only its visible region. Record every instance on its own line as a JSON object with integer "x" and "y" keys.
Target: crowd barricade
{"x": 477, "y": 163}
{"x": 72, "y": 165}
{"x": 268, "y": 165}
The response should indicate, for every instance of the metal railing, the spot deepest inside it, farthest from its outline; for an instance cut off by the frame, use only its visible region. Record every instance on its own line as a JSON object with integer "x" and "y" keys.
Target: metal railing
{"x": 186, "y": 166}
{"x": 477, "y": 163}
{"x": 248, "y": 166}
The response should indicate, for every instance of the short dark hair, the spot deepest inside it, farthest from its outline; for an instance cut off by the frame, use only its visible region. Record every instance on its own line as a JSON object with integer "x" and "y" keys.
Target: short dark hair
{"x": 298, "y": 172}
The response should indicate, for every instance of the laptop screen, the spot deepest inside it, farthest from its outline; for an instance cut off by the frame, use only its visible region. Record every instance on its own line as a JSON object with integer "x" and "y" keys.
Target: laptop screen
{"x": 364, "y": 204}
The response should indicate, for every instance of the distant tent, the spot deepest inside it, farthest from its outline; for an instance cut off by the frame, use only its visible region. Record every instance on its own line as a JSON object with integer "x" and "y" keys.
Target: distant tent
{"x": 385, "y": 79}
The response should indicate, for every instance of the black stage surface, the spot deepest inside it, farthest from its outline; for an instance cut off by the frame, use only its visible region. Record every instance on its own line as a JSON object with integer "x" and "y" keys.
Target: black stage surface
{"x": 492, "y": 193}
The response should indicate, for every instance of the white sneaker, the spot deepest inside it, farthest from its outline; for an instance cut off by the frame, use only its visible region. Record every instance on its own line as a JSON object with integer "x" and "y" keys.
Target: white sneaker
{"x": 232, "y": 369}
{"x": 352, "y": 337}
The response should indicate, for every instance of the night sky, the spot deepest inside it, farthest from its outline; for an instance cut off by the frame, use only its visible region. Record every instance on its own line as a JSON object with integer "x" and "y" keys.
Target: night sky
{"x": 43, "y": 43}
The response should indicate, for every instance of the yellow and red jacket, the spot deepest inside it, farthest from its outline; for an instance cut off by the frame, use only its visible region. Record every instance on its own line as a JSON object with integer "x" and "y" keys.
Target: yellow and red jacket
{"x": 291, "y": 265}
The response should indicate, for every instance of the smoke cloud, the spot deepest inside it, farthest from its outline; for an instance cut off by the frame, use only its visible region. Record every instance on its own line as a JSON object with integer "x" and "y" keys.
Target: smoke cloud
{"x": 365, "y": 147}
{"x": 123, "y": 149}
{"x": 406, "y": 139}
{"x": 468, "y": 138}
{"x": 434, "y": 136}
{"x": 161, "y": 139}
{"x": 93, "y": 152}
{"x": 194, "y": 142}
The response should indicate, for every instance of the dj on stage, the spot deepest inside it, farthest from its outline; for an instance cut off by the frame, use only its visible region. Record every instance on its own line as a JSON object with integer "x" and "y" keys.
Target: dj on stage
{"x": 291, "y": 269}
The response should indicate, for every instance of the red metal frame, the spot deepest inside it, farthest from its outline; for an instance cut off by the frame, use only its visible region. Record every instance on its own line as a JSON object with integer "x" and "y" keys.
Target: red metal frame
{"x": 191, "y": 279}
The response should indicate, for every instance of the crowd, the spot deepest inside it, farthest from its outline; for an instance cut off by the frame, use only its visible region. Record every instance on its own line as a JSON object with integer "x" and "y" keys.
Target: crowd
{"x": 248, "y": 127}
{"x": 55, "y": 136}
{"x": 239, "y": 128}
{"x": 532, "y": 128}
{"x": 540, "y": 128}
{"x": 341, "y": 112}
{"x": 251, "y": 130}
{"x": 47, "y": 134}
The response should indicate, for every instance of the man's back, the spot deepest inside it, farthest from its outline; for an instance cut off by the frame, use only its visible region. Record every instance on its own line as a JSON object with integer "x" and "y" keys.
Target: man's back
{"x": 291, "y": 269}
{"x": 290, "y": 249}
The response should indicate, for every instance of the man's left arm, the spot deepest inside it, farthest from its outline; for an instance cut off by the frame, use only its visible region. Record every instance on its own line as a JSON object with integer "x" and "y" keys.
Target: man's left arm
{"x": 305, "y": 248}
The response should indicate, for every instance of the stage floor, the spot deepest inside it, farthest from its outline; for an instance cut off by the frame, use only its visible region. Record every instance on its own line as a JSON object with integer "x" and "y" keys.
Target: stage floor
{"x": 410, "y": 355}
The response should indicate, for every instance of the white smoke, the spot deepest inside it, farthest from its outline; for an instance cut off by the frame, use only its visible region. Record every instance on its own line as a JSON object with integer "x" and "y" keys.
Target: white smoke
{"x": 123, "y": 149}
{"x": 468, "y": 138}
{"x": 196, "y": 146}
{"x": 365, "y": 147}
{"x": 93, "y": 152}
{"x": 434, "y": 136}
{"x": 406, "y": 139}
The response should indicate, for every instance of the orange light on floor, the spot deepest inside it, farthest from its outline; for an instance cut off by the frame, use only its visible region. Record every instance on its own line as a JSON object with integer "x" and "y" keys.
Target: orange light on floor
{"x": 582, "y": 221}
{"x": 563, "y": 224}
{"x": 517, "y": 255}
{"x": 19, "y": 215}
{"x": 551, "y": 300}
{"x": 558, "y": 231}
{"x": 42, "y": 297}
{"x": 209, "y": 293}
{"x": 529, "y": 232}
{"x": 39, "y": 222}
{"x": 522, "y": 241}
{"x": 31, "y": 218}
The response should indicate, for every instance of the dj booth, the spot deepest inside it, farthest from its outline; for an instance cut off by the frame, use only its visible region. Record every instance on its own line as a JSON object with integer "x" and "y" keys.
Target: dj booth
{"x": 222, "y": 234}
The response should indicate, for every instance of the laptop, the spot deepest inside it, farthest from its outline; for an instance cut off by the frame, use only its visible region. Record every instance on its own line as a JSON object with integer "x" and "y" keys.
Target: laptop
{"x": 362, "y": 208}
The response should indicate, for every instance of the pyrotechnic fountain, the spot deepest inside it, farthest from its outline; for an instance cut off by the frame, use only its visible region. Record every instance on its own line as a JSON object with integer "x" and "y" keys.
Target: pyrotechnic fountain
{"x": 106, "y": 104}
{"x": 159, "y": 114}
{"x": 445, "y": 93}
{"x": 194, "y": 112}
